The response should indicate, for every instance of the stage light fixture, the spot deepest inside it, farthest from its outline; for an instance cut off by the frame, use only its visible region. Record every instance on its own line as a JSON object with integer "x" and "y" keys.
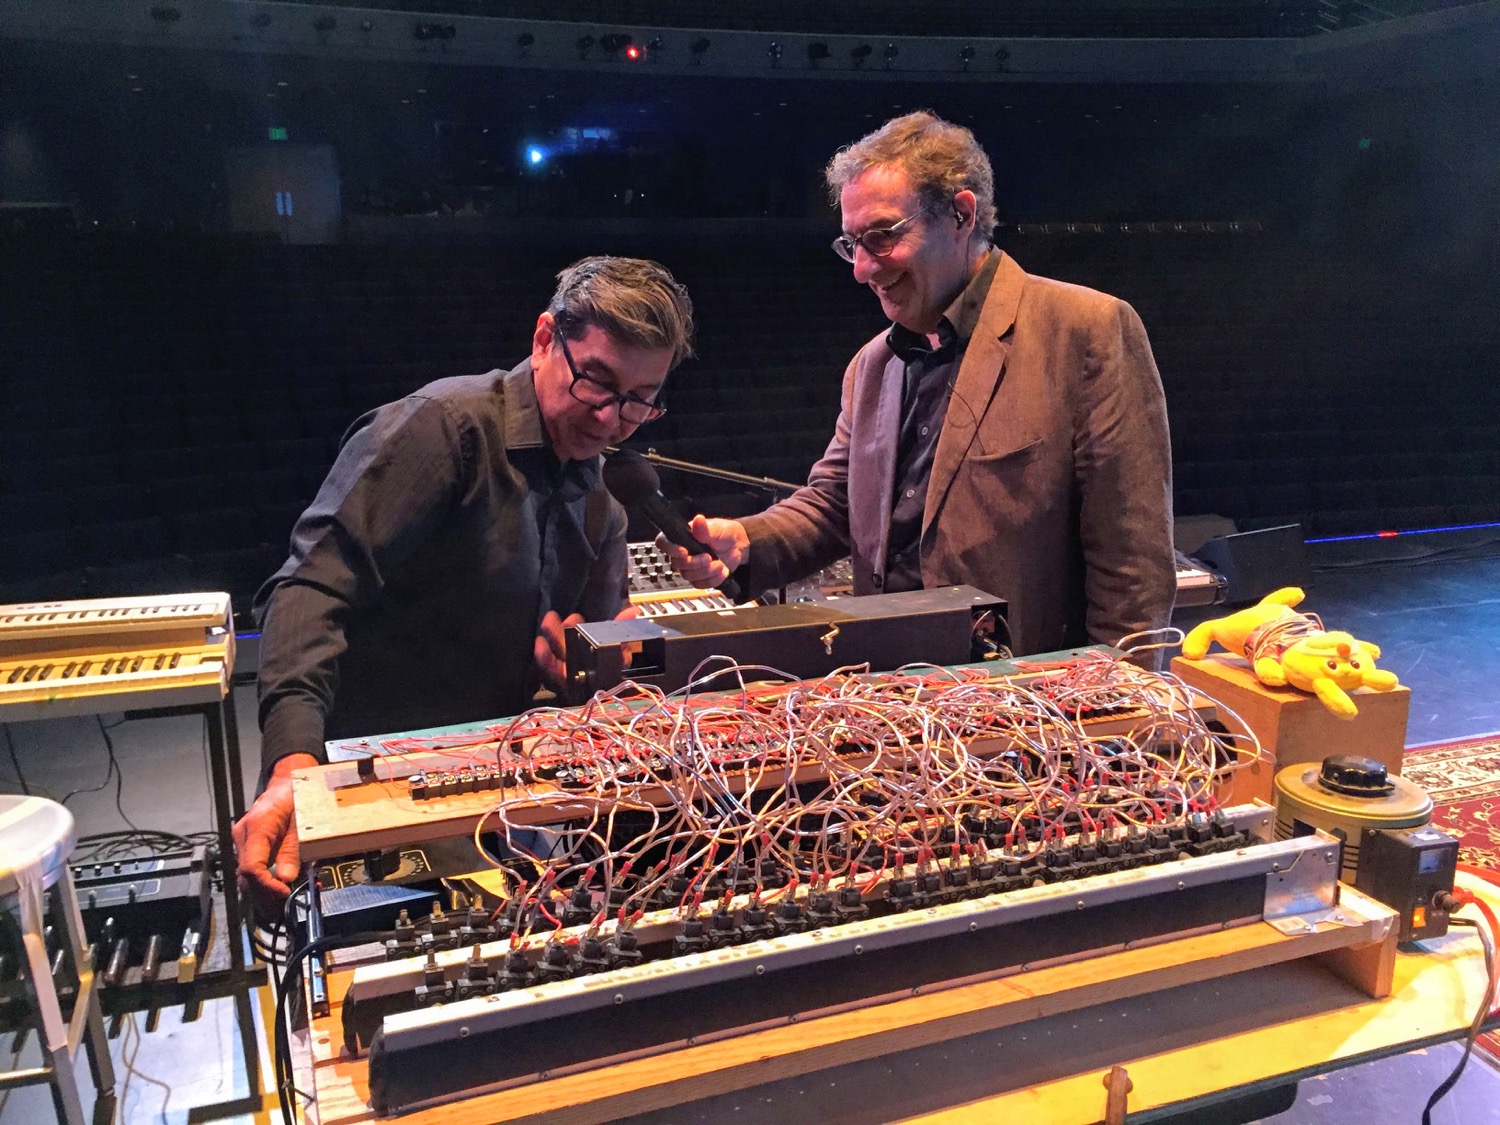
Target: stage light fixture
{"x": 773, "y": 52}
{"x": 817, "y": 52}
{"x": 860, "y": 54}
{"x": 656, "y": 44}
{"x": 634, "y": 53}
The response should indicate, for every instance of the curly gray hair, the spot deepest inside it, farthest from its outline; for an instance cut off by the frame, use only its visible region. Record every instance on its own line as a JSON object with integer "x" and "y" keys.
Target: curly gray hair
{"x": 940, "y": 158}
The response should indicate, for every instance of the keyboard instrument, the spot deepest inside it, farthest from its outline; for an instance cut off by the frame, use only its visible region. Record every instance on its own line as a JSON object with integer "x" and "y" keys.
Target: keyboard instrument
{"x": 113, "y": 654}
{"x": 1199, "y": 586}
{"x": 659, "y": 591}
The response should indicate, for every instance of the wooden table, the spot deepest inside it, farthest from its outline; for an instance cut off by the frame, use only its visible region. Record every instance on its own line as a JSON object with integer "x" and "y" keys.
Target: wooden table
{"x": 1029, "y": 1048}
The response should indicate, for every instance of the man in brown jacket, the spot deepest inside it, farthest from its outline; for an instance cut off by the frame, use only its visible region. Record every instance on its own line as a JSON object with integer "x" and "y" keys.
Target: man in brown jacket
{"x": 1008, "y": 432}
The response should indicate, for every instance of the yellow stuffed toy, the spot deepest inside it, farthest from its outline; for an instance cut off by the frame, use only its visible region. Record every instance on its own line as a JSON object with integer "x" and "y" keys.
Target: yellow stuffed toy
{"x": 1286, "y": 647}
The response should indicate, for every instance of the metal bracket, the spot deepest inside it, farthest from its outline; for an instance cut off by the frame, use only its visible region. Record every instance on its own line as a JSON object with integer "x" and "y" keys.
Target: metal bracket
{"x": 1306, "y": 885}
{"x": 1294, "y": 925}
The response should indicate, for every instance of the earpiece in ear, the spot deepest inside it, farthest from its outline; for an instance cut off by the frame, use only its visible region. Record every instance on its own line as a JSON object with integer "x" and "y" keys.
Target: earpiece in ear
{"x": 958, "y": 216}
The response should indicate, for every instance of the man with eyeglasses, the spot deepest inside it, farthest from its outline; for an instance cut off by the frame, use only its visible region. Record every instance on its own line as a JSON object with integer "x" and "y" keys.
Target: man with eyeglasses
{"x": 459, "y": 532}
{"x": 1008, "y": 431}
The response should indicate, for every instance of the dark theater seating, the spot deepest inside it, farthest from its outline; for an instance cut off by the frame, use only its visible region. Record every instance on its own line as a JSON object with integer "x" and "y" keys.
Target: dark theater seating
{"x": 171, "y": 405}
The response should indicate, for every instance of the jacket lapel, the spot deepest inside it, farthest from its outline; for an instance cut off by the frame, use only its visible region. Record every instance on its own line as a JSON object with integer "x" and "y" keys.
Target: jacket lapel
{"x": 978, "y": 379}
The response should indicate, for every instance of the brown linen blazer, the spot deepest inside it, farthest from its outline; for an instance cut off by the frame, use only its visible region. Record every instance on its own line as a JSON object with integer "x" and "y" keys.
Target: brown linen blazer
{"x": 1051, "y": 484}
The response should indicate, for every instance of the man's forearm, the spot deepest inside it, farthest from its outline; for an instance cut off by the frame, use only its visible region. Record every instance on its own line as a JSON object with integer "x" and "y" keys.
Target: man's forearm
{"x": 296, "y": 760}
{"x": 290, "y": 728}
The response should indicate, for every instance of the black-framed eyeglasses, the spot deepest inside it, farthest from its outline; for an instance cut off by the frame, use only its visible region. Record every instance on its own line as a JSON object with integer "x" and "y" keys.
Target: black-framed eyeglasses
{"x": 878, "y": 242}
{"x": 591, "y": 392}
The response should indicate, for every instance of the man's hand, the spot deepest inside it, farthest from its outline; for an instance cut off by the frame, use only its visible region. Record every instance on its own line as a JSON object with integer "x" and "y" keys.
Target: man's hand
{"x": 265, "y": 839}
{"x": 728, "y": 540}
{"x": 550, "y": 650}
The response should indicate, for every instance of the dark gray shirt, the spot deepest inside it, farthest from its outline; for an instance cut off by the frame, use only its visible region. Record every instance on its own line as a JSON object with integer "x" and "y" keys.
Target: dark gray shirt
{"x": 929, "y": 374}
{"x": 419, "y": 574}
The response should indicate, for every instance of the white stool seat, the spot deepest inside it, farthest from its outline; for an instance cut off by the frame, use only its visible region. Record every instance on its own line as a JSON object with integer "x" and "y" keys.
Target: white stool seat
{"x": 36, "y": 839}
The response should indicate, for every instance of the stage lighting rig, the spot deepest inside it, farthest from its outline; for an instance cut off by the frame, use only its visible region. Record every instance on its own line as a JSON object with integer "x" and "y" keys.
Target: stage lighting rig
{"x": 860, "y": 54}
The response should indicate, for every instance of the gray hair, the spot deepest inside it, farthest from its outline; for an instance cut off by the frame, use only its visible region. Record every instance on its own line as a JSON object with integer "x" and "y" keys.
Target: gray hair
{"x": 940, "y": 158}
{"x": 637, "y": 300}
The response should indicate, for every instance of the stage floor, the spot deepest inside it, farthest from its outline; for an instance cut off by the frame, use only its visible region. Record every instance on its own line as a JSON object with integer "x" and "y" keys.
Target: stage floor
{"x": 1431, "y": 602}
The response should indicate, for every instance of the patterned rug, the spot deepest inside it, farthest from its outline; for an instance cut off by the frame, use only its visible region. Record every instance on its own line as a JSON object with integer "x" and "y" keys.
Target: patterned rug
{"x": 1463, "y": 780}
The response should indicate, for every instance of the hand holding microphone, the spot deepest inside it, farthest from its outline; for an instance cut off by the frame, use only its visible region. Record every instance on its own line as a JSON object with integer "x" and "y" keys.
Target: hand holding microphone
{"x": 727, "y": 546}
{"x": 704, "y": 553}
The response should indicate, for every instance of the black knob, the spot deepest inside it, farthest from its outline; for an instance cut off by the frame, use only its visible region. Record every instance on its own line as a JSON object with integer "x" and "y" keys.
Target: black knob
{"x": 1355, "y": 776}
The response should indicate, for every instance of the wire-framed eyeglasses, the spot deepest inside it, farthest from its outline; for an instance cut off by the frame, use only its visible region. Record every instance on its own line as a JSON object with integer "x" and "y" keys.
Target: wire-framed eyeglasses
{"x": 879, "y": 242}
{"x": 591, "y": 392}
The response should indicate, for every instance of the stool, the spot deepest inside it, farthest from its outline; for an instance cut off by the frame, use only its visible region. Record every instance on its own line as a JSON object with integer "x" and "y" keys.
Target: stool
{"x": 36, "y": 839}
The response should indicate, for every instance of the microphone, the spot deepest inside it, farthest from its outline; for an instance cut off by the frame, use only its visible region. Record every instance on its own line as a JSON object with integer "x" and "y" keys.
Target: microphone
{"x": 633, "y": 482}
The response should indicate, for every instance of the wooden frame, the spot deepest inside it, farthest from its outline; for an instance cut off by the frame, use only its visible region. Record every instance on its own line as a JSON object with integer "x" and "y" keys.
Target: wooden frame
{"x": 1359, "y": 951}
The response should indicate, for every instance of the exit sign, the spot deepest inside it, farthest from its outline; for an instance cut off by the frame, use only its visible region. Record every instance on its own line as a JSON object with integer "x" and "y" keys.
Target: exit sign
{"x": 277, "y": 132}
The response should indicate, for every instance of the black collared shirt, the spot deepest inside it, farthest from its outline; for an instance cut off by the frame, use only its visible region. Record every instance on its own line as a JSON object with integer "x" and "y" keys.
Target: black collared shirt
{"x": 418, "y": 576}
{"x": 928, "y": 374}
